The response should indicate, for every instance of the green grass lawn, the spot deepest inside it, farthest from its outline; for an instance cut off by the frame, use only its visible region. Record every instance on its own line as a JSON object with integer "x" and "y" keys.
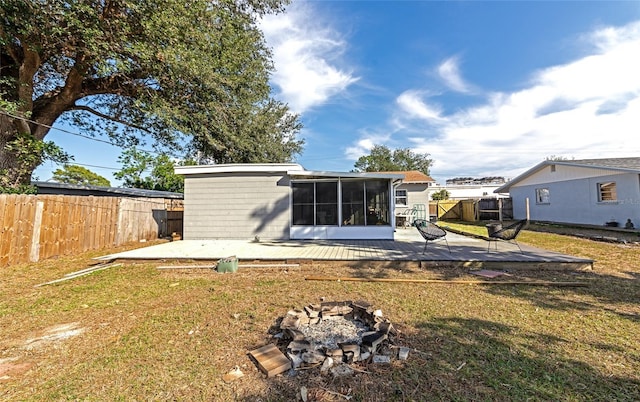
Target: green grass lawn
{"x": 149, "y": 334}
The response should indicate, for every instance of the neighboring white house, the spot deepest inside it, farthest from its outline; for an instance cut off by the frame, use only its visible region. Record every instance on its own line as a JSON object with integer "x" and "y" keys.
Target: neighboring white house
{"x": 285, "y": 201}
{"x": 587, "y": 191}
{"x": 468, "y": 191}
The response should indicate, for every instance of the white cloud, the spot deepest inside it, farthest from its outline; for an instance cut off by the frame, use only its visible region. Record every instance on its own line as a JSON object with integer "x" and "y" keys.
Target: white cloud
{"x": 588, "y": 108}
{"x": 364, "y": 146}
{"x": 306, "y": 54}
{"x": 449, "y": 71}
{"x": 411, "y": 103}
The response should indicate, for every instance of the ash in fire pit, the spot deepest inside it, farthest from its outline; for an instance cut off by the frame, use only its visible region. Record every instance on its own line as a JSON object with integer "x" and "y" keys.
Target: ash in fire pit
{"x": 340, "y": 332}
{"x": 330, "y": 333}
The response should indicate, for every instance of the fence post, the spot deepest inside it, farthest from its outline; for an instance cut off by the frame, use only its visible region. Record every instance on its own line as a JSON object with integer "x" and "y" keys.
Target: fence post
{"x": 34, "y": 253}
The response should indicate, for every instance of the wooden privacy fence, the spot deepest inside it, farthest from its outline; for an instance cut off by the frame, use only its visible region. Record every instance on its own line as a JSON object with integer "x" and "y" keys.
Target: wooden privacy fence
{"x": 472, "y": 210}
{"x": 36, "y": 227}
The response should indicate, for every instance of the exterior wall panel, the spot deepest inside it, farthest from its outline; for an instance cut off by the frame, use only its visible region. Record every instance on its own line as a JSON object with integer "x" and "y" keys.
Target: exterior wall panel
{"x": 564, "y": 173}
{"x": 417, "y": 193}
{"x": 237, "y": 206}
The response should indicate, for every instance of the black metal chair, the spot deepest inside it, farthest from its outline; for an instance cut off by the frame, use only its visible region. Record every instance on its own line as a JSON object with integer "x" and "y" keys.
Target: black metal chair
{"x": 430, "y": 231}
{"x": 507, "y": 234}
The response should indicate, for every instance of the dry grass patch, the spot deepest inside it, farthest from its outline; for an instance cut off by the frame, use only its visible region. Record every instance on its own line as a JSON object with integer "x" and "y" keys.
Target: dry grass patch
{"x": 172, "y": 334}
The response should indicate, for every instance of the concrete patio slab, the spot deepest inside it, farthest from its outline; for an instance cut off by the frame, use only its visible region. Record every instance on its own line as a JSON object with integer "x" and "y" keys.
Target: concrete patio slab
{"x": 407, "y": 247}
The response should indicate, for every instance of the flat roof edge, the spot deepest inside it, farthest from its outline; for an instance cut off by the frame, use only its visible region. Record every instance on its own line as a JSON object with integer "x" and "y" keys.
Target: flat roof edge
{"x": 239, "y": 168}
{"x": 320, "y": 173}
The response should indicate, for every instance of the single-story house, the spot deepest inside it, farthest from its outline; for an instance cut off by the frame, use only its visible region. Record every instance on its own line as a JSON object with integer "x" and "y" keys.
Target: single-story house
{"x": 468, "y": 191}
{"x": 414, "y": 189}
{"x": 586, "y": 191}
{"x": 412, "y": 193}
{"x": 50, "y": 187}
{"x": 285, "y": 201}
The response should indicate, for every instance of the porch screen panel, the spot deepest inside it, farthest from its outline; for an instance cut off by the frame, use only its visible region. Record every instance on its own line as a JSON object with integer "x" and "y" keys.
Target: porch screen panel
{"x": 353, "y": 203}
{"x": 377, "y": 196}
{"x": 327, "y": 203}
{"x": 302, "y": 203}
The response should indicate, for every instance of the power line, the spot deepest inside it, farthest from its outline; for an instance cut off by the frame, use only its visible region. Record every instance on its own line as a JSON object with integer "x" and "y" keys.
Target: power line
{"x": 78, "y": 135}
{"x": 69, "y": 132}
{"x": 87, "y": 165}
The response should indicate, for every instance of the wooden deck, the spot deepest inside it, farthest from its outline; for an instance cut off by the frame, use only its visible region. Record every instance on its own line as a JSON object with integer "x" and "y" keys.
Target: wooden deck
{"x": 407, "y": 248}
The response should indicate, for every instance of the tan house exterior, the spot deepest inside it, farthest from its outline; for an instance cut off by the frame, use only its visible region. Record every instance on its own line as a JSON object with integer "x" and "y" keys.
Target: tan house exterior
{"x": 412, "y": 192}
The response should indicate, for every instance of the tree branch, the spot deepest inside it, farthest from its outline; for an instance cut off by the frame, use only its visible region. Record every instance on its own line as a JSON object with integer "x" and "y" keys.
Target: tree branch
{"x": 106, "y": 117}
{"x": 13, "y": 50}
{"x": 117, "y": 84}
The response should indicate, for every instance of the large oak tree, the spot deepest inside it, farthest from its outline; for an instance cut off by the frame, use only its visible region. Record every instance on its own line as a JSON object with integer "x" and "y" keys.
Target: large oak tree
{"x": 182, "y": 75}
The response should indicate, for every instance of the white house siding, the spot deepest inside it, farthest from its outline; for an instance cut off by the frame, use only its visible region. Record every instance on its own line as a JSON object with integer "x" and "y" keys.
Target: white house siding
{"x": 564, "y": 173}
{"x": 417, "y": 193}
{"x": 576, "y": 200}
{"x": 465, "y": 192}
{"x": 237, "y": 206}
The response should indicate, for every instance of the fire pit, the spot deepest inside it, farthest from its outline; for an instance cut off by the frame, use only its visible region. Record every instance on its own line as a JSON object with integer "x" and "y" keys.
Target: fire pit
{"x": 332, "y": 334}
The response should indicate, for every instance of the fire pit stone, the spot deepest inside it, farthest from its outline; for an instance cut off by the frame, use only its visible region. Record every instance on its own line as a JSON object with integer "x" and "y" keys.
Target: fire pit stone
{"x": 345, "y": 332}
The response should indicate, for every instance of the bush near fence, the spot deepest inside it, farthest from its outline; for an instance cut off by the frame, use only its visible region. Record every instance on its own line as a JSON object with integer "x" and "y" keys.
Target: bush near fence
{"x": 37, "y": 227}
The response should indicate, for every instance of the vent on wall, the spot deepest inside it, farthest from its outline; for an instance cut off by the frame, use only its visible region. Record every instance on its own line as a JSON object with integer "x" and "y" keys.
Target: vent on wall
{"x": 553, "y": 168}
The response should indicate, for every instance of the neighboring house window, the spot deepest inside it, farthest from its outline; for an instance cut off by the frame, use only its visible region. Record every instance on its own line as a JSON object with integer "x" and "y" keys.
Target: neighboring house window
{"x": 401, "y": 197}
{"x": 542, "y": 196}
{"x": 607, "y": 191}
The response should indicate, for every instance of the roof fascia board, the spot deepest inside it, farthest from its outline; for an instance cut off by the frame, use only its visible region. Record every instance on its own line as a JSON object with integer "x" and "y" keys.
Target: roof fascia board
{"x": 239, "y": 168}
{"x": 601, "y": 167}
{"x": 505, "y": 187}
{"x": 356, "y": 175}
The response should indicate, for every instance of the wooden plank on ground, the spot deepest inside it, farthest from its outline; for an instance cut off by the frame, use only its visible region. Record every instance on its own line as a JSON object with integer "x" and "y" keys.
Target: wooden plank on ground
{"x": 487, "y": 273}
{"x": 444, "y": 281}
{"x": 270, "y": 360}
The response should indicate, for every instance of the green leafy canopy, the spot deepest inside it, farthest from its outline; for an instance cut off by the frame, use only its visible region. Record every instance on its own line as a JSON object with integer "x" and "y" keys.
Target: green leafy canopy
{"x": 383, "y": 159}
{"x": 143, "y": 170}
{"x": 74, "y": 174}
{"x": 187, "y": 77}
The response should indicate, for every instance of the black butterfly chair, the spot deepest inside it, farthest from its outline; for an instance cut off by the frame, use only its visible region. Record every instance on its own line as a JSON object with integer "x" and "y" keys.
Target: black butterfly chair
{"x": 430, "y": 231}
{"x": 508, "y": 234}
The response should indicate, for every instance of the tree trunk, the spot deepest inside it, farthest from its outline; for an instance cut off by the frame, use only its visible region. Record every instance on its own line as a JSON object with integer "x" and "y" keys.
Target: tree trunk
{"x": 14, "y": 169}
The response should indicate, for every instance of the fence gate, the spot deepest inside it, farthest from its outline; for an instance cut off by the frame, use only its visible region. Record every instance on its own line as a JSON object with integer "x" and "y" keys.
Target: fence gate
{"x": 448, "y": 209}
{"x": 174, "y": 222}
{"x": 495, "y": 209}
{"x": 507, "y": 208}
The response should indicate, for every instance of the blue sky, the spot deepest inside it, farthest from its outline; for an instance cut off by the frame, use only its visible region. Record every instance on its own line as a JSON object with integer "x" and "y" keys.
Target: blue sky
{"x": 487, "y": 88}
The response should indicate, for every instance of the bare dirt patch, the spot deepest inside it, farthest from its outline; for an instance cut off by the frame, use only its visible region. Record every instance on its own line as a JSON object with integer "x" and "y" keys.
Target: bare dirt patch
{"x": 9, "y": 368}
